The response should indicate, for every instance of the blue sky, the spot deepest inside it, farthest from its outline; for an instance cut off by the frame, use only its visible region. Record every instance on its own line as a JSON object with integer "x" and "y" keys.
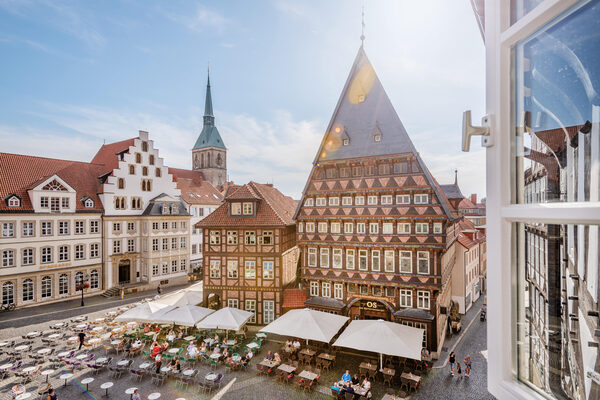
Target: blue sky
{"x": 77, "y": 73}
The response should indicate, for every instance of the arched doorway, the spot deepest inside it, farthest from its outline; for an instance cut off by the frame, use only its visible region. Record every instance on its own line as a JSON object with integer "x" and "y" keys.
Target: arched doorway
{"x": 369, "y": 309}
{"x": 124, "y": 271}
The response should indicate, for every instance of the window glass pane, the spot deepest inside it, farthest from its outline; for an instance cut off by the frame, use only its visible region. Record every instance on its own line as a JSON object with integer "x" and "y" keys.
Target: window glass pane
{"x": 557, "y": 112}
{"x": 557, "y": 283}
{"x": 519, "y": 8}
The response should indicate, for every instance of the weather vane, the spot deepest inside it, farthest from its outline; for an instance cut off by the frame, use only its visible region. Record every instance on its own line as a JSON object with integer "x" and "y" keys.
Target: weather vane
{"x": 362, "y": 36}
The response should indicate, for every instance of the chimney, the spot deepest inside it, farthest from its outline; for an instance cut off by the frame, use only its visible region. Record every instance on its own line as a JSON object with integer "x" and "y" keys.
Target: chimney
{"x": 474, "y": 198}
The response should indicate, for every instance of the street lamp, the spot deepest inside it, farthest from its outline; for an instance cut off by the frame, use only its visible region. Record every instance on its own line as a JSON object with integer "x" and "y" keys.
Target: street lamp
{"x": 83, "y": 284}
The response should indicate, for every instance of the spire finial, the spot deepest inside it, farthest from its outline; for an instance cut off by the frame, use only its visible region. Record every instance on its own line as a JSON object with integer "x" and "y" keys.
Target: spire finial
{"x": 362, "y": 35}
{"x": 456, "y": 177}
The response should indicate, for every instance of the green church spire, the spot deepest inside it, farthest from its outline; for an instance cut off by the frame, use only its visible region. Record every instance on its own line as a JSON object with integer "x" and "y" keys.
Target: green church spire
{"x": 209, "y": 137}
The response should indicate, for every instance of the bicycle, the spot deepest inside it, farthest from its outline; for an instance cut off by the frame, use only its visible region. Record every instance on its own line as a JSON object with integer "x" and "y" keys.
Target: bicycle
{"x": 7, "y": 307}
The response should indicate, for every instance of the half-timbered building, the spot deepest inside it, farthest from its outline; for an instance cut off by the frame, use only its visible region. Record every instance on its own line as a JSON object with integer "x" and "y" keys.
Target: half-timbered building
{"x": 250, "y": 251}
{"x": 371, "y": 222}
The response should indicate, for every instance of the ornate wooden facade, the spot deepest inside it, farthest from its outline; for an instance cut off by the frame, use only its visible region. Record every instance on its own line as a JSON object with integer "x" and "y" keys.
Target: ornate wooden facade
{"x": 371, "y": 223}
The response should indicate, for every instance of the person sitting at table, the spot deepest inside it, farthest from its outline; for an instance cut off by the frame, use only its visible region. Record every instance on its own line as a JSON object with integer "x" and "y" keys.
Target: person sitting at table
{"x": 216, "y": 338}
{"x": 179, "y": 335}
{"x": 277, "y": 358}
{"x": 297, "y": 344}
{"x": 146, "y": 328}
{"x": 136, "y": 395}
{"x": 347, "y": 377}
{"x": 156, "y": 349}
{"x": 137, "y": 344}
{"x": 191, "y": 346}
{"x": 203, "y": 348}
{"x": 126, "y": 346}
{"x": 225, "y": 352}
{"x": 174, "y": 364}
{"x": 165, "y": 346}
{"x": 355, "y": 379}
{"x": 366, "y": 384}
{"x": 217, "y": 349}
{"x": 171, "y": 336}
{"x": 158, "y": 362}
{"x": 269, "y": 356}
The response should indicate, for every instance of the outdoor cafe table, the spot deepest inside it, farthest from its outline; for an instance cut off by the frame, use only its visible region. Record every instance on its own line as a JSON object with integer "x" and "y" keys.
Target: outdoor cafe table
{"x": 73, "y": 339}
{"x": 268, "y": 364}
{"x": 145, "y": 365}
{"x": 326, "y": 356}
{"x": 174, "y": 350}
{"x": 211, "y": 377}
{"x": 101, "y": 360}
{"x": 122, "y": 363}
{"x": 359, "y": 390}
{"x": 311, "y": 376}
{"x": 308, "y": 352}
{"x": 58, "y": 325}
{"x": 34, "y": 334}
{"x": 87, "y": 382}
{"x": 44, "y": 351}
{"x": 81, "y": 326}
{"x": 5, "y": 366}
{"x": 388, "y": 371}
{"x": 230, "y": 342}
{"x": 65, "y": 377}
{"x": 388, "y": 396}
{"x": 63, "y": 353}
{"x": 286, "y": 368}
{"x": 47, "y": 373}
{"x": 153, "y": 396}
{"x": 369, "y": 366}
{"x": 236, "y": 358}
{"x": 410, "y": 376}
{"x": 130, "y": 391}
{"x": 188, "y": 372}
{"x": 78, "y": 319}
{"x": 24, "y": 396}
{"x": 21, "y": 347}
{"x": 116, "y": 342}
{"x": 98, "y": 320}
{"x": 165, "y": 369}
{"x": 252, "y": 345}
{"x": 94, "y": 341}
{"x": 81, "y": 356}
{"x": 261, "y": 335}
{"x": 215, "y": 356}
{"x": 4, "y": 344}
{"x": 207, "y": 340}
{"x": 29, "y": 370}
{"x": 98, "y": 329}
{"x": 54, "y": 336}
{"x": 189, "y": 338}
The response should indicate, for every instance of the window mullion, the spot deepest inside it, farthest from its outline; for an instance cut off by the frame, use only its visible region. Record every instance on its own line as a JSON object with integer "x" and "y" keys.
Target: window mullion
{"x": 553, "y": 213}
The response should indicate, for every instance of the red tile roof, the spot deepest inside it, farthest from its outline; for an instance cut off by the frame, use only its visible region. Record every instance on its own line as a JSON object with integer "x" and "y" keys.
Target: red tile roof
{"x": 273, "y": 208}
{"x": 18, "y": 173}
{"x": 294, "y": 298}
{"x": 198, "y": 192}
{"x": 107, "y": 155}
{"x": 186, "y": 174}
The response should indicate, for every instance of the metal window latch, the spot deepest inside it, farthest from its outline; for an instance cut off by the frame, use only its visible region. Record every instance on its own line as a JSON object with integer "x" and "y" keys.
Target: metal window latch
{"x": 469, "y": 130}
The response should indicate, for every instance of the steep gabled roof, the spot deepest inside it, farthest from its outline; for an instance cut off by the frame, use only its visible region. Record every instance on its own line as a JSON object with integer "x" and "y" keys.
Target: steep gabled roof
{"x": 452, "y": 191}
{"x": 186, "y": 174}
{"x": 273, "y": 208}
{"x": 198, "y": 192}
{"x": 19, "y": 173}
{"x": 108, "y": 154}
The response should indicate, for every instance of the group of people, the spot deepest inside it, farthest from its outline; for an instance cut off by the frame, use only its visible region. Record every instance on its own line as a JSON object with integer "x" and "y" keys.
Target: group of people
{"x": 456, "y": 367}
{"x": 273, "y": 357}
{"x": 291, "y": 347}
{"x": 350, "y": 383}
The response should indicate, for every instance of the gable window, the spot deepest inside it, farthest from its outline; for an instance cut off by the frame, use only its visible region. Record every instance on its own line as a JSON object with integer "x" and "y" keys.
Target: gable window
{"x": 267, "y": 238}
{"x": 347, "y": 200}
{"x": 250, "y": 270}
{"x": 309, "y": 202}
{"x": 215, "y": 237}
{"x": 157, "y": 172}
{"x": 14, "y": 201}
{"x": 386, "y": 200}
{"x": 146, "y": 185}
{"x": 334, "y": 201}
{"x": 324, "y": 259}
{"x": 373, "y": 228}
{"x": 375, "y": 259}
{"x": 54, "y": 186}
{"x": 312, "y": 257}
{"x": 344, "y": 172}
{"x": 121, "y": 183}
{"x": 389, "y": 261}
{"x": 300, "y": 227}
{"x": 402, "y": 199}
{"x": 346, "y": 142}
{"x": 377, "y": 137}
{"x": 384, "y": 169}
{"x": 387, "y": 228}
{"x": 54, "y": 204}
{"x": 43, "y": 202}
{"x": 248, "y": 208}
{"x": 414, "y": 166}
{"x": 232, "y": 237}
{"x": 310, "y": 227}
{"x": 89, "y": 203}
{"x": 422, "y": 262}
{"x": 421, "y": 198}
{"x": 372, "y": 200}
{"x": 357, "y": 170}
{"x": 268, "y": 272}
{"x": 138, "y": 158}
{"x": 322, "y": 227}
{"x": 145, "y": 171}
{"x": 437, "y": 227}
{"x": 232, "y": 269}
{"x": 350, "y": 254}
{"x": 64, "y": 202}
{"x": 331, "y": 173}
{"x": 348, "y": 227}
{"x": 369, "y": 170}
{"x": 335, "y": 227}
{"x": 119, "y": 203}
{"x": 144, "y": 146}
{"x": 400, "y": 168}
{"x": 151, "y": 159}
{"x": 360, "y": 227}
{"x": 359, "y": 200}
{"x": 321, "y": 201}
{"x": 250, "y": 238}
{"x": 236, "y": 208}
{"x": 136, "y": 203}
{"x": 406, "y": 262}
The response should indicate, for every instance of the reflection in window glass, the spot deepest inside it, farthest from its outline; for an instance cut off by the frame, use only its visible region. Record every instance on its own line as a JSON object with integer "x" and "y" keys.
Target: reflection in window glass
{"x": 557, "y": 110}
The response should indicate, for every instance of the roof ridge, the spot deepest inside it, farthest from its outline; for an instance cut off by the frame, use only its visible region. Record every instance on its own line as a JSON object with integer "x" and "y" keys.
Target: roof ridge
{"x": 267, "y": 200}
{"x": 50, "y": 158}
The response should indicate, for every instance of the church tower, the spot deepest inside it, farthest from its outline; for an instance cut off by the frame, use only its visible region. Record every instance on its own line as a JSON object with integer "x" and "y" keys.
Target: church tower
{"x": 209, "y": 154}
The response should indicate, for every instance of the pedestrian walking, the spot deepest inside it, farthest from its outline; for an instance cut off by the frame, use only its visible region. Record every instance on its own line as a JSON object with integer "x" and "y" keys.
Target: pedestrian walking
{"x": 122, "y": 292}
{"x": 468, "y": 364}
{"x": 452, "y": 362}
{"x": 458, "y": 371}
{"x": 158, "y": 289}
{"x": 81, "y": 339}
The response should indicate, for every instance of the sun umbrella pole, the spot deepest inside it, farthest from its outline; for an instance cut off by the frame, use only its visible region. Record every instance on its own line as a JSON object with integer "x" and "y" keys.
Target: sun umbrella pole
{"x": 380, "y": 361}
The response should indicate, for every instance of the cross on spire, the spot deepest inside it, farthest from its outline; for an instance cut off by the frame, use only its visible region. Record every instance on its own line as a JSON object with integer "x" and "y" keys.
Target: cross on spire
{"x": 362, "y": 36}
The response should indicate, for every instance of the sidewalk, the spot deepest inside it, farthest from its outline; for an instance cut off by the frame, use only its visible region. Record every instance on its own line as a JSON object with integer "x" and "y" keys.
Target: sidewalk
{"x": 71, "y": 308}
{"x": 465, "y": 322}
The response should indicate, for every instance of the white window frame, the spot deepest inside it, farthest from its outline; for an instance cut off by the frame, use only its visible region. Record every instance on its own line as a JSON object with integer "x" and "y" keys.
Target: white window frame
{"x": 309, "y": 202}
{"x": 325, "y": 289}
{"x": 314, "y": 288}
{"x": 268, "y": 270}
{"x": 437, "y": 227}
{"x": 336, "y": 258}
{"x": 338, "y": 291}
{"x": 268, "y": 311}
{"x": 233, "y": 303}
{"x": 250, "y": 305}
{"x": 372, "y": 200}
{"x": 375, "y": 260}
{"x": 334, "y": 201}
{"x": 363, "y": 255}
{"x": 347, "y": 200}
{"x": 373, "y": 228}
{"x": 387, "y": 228}
{"x": 359, "y": 201}
{"x": 321, "y": 201}
{"x": 406, "y": 262}
{"x": 311, "y": 257}
{"x": 215, "y": 269}
{"x": 350, "y": 259}
{"x": 406, "y": 297}
{"x": 421, "y": 228}
{"x": 232, "y": 269}
{"x": 387, "y": 200}
{"x": 310, "y": 227}
{"x": 324, "y": 257}
{"x": 389, "y": 264}
{"x": 361, "y": 228}
{"x": 403, "y": 199}
{"x": 250, "y": 269}
{"x": 322, "y": 227}
{"x": 423, "y": 299}
{"x": 403, "y": 228}
{"x": 422, "y": 198}
{"x": 348, "y": 227}
{"x": 335, "y": 227}
{"x": 423, "y": 256}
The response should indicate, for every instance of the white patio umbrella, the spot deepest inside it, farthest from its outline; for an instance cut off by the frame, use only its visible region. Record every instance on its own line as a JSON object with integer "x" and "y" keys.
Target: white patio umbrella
{"x": 185, "y": 315}
{"x": 142, "y": 312}
{"x": 383, "y": 337}
{"x": 196, "y": 287}
{"x": 181, "y": 298}
{"x": 227, "y": 318}
{"x": 307, "y": 324}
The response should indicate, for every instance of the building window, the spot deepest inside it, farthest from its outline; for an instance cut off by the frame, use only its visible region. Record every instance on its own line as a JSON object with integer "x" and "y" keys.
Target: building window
{"x": 43, "y": 202}
{"x": 309, "y": 202}
{"x": 89, "y": 203}
{"x": 173, "y": 243}
{"x": 151, "y": 159}
{"x": 422, "y": 262}
{"x": 233, "y": 303}
{"x": 165, "y": 225}
{"x": 326, "y": 289}
{"x": 359, "y": 201}
{"x": 27, "y": 256}
{"x": 338, "y": 291}
{"x": 421, "y": 228}
{"x": 268, "y": 272}
{"x": 348, "y": 227}
{"x": 78, "y": 278}
{"x": 183, "y": 264}
{"x": 423, "y": 299}
{"x": 236, "y": 208}
{"x": 136, "y": 203}
{"x": 321, "y": 201}
{"x": 314, "y": 288}
{"x": 28, "y": 229}
{"x": 46, "y": 287}
{"x": 27, "y": 290}
{"x": 387, "y": 228}
{"x": 331, "y": 173}
{"x": 362, "y": 260}
{"x": 116, "y": 246}
{"x": 145, "y": 171}
{"x": 267, "y": 238}
{"x": 232, "y": 237}
{"x": 157, "y": 172}
{"x": 138, "y": 158}
{"x": 46, "y": 228}
{"x": 405, "y": 298}
{"x": 373, "y": 228}
{"x": 132, "y": 170}
{"x": 386, "y": 200}
{"x": 79, "y": 252}
{"x": 165, "y": 269}
{"x": 334, "y": 201}
{"x": 121, "y": 183}
{"x": 310, "y": 227}
{"x": 324, "y": 259}
{"x": 8, "y": 258}
{"x": 63, "y": 284}
{"x": 79, "y": 227}
{"x": 147, "y": 187}
{"x": 350, "y": 254}
{"x": 312, "y": 257}
{"x": 337, "y": 258}
{"x": 8, "y": 293}
{"x": 63, "y": 227}
{"x": 251, "y": 306}
{"x": 250, "y": 238}
{"x": 183, "y": 242}
{"x": 215, "y": 268}
{"x": 119, "y": 203}
{"x": 117, "y": 227}
{"x": 403, "y": 228}
{"x": 421, "y": 198}
{"x": 377, "y": 137}
{"x": 351, "y": 288}
{"x": 347, "y": 201}
{"x": 406, "y": 262}
{"x": 372, "y": 200}
{"x": 144, "y": 146}
{"x": 46, "y": 255}
{"x": 94, "y": 279}
{"x": 268, "y": 311}
{"x": 63, "y": 253}
{"x": 173, "y": 266}
{"x": 215, "y": 237}
{"x": 377, "y": 291}
{"x": 403, "y": 199}
{"x": 322, "y": 226}
{"x": 94, "y": 250}
{"x": 64, "y": 202}
{"x": 389, "y": 261}
{"x": 357, "y": 171}
{"x": 8, "y": 229}
{"x": 250, "y": 270}
{"x": 94, "y": 226}
{"x": 363, "y": 289}
{"x": 232, "y": 269}
{"x": 360, "y": 228}
{"x": 437, "y": 227}
{"x": 390, "y": 291}
{"x": 131, "y": 245}
{"x": 248, "y": 208}
{"x": 375, "y": 258}
{"x": 155, "y": 270}
{"x": 335, "y": 227}
{"x": 14, "y": 202}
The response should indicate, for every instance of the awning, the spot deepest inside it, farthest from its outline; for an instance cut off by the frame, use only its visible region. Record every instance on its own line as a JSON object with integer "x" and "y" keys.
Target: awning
{"x": 182, "y": 297}
{"x": 307, "y": 324}
{"x": 186, "y": 315}
{"x": 142, "y": 312}
{"x": 226, "y": 318}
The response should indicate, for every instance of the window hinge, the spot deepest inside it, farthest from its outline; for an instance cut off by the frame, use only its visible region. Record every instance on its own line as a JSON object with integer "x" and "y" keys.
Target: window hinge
{"x": 469, "y": 130}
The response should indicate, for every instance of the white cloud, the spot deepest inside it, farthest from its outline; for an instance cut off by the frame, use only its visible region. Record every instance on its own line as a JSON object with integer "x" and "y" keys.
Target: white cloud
{"x": 201, "y": 19}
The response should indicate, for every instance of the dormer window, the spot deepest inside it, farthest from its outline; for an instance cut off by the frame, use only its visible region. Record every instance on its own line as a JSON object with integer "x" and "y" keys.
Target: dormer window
{"x": 89, "y": 203}
{"x": 174, "y": 209}
{"x": 248, "y": 208}
{"x": 377, "y": 137}
{"x": 361, "y": 98}
{"x": 346, "y": 142}
{"x": 165, "y": 209}
{"x": 236, "y": 208}
{"x": 14, "y": 201}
